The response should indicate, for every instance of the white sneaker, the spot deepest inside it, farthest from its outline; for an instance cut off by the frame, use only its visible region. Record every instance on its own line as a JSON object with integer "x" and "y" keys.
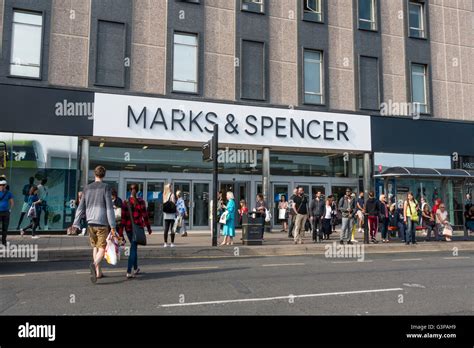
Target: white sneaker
{"x": 22, "y": 232}
{"x": 35, "y": 237}
{"x": 354, "y": 241}
{"x": 172, "y": 245}
{"x": 83, "y": 232}
{"x": 165, "y": 245}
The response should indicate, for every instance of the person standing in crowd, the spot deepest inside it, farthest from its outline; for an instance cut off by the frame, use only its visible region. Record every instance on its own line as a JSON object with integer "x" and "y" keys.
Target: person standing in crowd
{"x": 360, "y": 211}
{"x": 283, "y": 213}
{"x": 442, "y": 220}
{"x": 99, "y": 210}
{"x": 383, "y": 218}
{"x": 169, "y": 213}
{"x": 182, "y": 214}
{"x": 291, "y": 214}
{"x": 6, "y": 206}
{"x": 372, "y": 209}
{"x": 326, "y": 218}
{"x": 334, "y": 219}
{"x": 402, "y": 227}
{"x": 393, "y": 218}
{"x": 411, "y": 218}
{"x": 470, "y": 219}
{"x": 261, "y": 207}
{"x": 133, "y": 208}
{"x": 428, "y": 223}
{"x": 346, "y": 207}
{"x": 35, "y": 202}
{"x": 354, "y": 220}
{"x": 467, "y": 208}
{"x": 229, "y": 227}
{"x": 43, "y": 196}
{"x": 300, "y": 208}
{"x": 118, "y": 204}
{"x": 316, "y": 211}
{"x": 26, "y": 195}
{"x": 243, "y": 209}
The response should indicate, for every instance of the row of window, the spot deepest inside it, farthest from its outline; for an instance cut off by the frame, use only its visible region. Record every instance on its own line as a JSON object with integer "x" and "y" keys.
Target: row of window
{"x": 26, "y": 62}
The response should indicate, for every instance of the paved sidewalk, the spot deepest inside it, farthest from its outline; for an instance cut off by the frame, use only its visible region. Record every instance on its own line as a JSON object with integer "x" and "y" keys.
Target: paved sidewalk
{"x": 198, "y": 245}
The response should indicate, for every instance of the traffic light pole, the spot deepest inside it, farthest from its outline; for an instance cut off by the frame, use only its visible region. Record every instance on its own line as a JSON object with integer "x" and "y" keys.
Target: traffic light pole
{"x": 215, "y": 184}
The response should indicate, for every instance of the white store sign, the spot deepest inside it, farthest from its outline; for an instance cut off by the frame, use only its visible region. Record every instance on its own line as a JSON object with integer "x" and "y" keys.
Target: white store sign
{"x": 179, "y": 120}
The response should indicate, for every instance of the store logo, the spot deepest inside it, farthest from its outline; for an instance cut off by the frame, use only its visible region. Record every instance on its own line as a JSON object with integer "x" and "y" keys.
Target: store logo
{"x": 237, "y": 156}
{"x": 347, "y": 251}
{"x": 74, "y": 109}
{"x": 21, "y": 251}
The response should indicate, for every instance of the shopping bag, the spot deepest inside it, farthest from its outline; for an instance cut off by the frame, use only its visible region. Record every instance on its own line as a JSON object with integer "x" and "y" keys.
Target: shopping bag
{"x": 223, "y": 219}
{"x": 268, "y": 216}
{"x": 281, "y": 214}
{"x": 32, "y": 212}
{"x": 112, "y": 251}
{"x": 178, "y": 223}
{"x": 448, "y": 231}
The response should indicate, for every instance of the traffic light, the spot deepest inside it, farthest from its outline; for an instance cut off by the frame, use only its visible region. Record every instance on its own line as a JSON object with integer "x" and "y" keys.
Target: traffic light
{"x": 3, "y": 155}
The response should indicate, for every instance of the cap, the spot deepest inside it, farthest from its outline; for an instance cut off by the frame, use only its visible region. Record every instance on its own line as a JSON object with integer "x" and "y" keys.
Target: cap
{"x": 3, "y": 182}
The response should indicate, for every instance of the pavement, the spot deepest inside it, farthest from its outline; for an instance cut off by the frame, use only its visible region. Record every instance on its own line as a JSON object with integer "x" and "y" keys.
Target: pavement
{"x": 432, "y": 283}
{"x": 57, "y": 247}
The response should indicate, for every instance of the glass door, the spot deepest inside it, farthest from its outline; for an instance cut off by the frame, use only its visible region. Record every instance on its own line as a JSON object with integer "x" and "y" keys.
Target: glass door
{"x": 141, "y": 188}
{"x": 154, "y": 200}
{"x": 200, "y": 211}
{"x": 318, "y": 188}
{"x": 185, "y": 188}
{"x": 279, "y": 191}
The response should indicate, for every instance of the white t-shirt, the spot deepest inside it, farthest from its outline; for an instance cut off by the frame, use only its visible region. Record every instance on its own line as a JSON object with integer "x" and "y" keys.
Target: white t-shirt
{"x": 440, "y": 217}
{"x": 328, "y": 212}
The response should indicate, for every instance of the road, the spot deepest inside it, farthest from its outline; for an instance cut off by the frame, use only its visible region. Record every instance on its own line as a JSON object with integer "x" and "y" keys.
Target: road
{"x": 385, "y": 284}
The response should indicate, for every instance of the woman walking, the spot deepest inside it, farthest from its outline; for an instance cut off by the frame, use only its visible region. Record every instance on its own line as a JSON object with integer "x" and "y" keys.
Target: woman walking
{"x": 428, "y": 222}
{"x": 169, "y": 214}
{"x": 182, "y": 214}
{"x": 442, "y": 220}
{"x": 34, "y": 204}
{"x": 283, "y": 213}
{"x": 229, "y": 227}
{"x": 372, "y": 209}
{"x": 133, "y": 208}
{"x": 411, "y": 218}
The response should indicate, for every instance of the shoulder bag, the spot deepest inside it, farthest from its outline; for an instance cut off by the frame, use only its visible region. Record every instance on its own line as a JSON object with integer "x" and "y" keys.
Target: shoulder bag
{"x": 138, "y": 232}
{"x": 169, "y": 206}
{"x": 413, "y": 217}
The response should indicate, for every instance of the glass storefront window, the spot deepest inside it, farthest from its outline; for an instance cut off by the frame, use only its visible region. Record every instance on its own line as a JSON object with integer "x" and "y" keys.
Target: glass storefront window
{"x": 48, "y": 159}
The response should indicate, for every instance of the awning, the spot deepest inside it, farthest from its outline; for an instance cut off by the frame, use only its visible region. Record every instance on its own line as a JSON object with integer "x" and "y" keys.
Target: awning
{"x": 425, "y": 173}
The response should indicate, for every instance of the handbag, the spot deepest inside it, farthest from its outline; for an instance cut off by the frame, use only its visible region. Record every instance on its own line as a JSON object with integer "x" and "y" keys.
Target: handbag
{"x": 169, "y": 206}
{"x": 138, "y": 232}
{"x": 447, "y": 231}
{"x": 223, "y": 219}
{"x": 32, "y": 212}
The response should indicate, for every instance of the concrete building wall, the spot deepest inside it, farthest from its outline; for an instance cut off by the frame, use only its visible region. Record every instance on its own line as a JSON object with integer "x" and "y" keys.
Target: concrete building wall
{"x": 69, "y": 49}
{"x": 452, "y": 52}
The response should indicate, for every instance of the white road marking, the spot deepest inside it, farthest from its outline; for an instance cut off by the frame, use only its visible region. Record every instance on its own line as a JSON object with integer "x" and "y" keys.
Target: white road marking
{"x": 193, "y": 268}
{"x": 283, "y": 264}
{"x": 12, "y": 275}
{"x": 279, "y": 297}
{"x": 457, "y": 257}
{"x": 414, "y": 285}
{"x": 106, "y": 271}
{"x": 407, "y": 259}
{"x": 352, "y": 261}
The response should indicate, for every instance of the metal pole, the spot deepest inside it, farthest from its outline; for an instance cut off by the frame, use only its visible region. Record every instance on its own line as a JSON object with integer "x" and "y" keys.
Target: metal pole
{"x": 367, "y": 187}
{"x": 266, "y": 182}
{"x": 84, "y": 163}
{"x": 215, "y": 184}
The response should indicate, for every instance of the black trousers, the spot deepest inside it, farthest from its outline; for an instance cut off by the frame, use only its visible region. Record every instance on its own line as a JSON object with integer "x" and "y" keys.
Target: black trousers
{"x": 33, "y": 225}
{"x": 4, "y": 222}
{"x": 317, "y": 226}
{"x": 169, "y": 229}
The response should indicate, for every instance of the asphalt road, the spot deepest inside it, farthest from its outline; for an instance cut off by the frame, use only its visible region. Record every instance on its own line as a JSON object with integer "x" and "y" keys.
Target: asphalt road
{"x": 385, "y": 284}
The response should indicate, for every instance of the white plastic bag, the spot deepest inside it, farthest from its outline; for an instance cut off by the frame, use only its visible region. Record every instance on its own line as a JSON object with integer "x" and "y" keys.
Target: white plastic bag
{"x": 268, "y": 216}
{"x": 112, "y": 251}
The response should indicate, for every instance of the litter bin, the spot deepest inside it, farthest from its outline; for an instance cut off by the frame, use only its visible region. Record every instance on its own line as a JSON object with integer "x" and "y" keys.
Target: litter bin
{"x": 252, "y": 228}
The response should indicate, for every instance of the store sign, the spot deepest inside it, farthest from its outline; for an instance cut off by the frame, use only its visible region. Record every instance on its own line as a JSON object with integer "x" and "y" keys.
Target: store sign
{"x": 179, "y": 120}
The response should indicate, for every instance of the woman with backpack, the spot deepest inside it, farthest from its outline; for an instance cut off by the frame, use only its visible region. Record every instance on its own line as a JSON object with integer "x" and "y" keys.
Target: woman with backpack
{"x": 133, "y": 213}
{"x": 411, "y": 218}
{"x": 169, "y": 213}
{"x": 34, "y": 204}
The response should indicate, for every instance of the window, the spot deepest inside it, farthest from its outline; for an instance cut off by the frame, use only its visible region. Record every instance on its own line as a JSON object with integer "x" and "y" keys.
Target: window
{"x": 313, "y": 77}
{"x": 190, "y": 1}
{"x": 111, "y": 42}
{"x": 27, "y": 30}
{"x": 253, "y": 70}
{"x": 253, "y": 6}
{"x": 185, "y": 63}
{"x": 312, "y": 10}
{"x": 367, "y": 15}
{"x": 418, "y": 87}
{"x": 416, "y": 20}
{"x": 369, "y": 83}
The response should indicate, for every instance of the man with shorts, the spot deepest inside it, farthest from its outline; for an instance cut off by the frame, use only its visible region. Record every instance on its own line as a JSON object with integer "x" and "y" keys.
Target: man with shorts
{"x": 99, "y": 210}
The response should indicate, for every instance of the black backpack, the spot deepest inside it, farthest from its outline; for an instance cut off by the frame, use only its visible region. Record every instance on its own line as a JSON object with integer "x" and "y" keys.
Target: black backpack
{"x": 169, "y": 206}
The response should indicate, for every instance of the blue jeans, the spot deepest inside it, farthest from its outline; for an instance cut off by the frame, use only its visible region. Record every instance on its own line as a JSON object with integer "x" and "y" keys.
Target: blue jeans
{"x": 411, "y": 231}
{"x": 133, "y": 257}
{"x": 401, "y": 231}
{"x": 384, "y": 228}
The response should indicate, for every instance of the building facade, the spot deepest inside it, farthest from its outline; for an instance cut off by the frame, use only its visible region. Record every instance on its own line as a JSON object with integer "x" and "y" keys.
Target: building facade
{"x": 328, "y": 93}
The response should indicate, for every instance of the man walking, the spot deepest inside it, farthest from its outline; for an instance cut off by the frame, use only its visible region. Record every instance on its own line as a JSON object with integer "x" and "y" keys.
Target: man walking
{"x": 300, "y": 209}
{"x": 26, "y": 206}
{"x": 347, "y": 207}
{"x": 291, "y": 213}
{"x": 99, "y": 210}
{"x": 316, "y": 209}
{"x": 43, "y": 196}
{"x": 6, "y": 206}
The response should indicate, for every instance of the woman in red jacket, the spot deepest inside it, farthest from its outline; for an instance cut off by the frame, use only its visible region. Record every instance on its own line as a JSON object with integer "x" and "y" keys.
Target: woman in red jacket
{"x": 137, "y": 207}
